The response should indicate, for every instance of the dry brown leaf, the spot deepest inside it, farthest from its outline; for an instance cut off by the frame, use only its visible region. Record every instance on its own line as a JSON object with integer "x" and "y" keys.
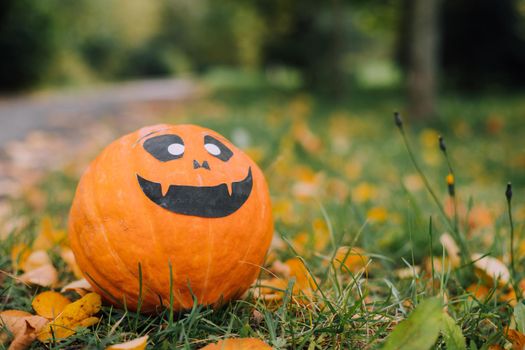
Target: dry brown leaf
{"x": 491, "y": 269}
{"x": 45, "y": 276}
{"x": 67, "y": 255}
{"x": 81, "y": 286}
{"x": 135, "y": 344}
{"x": 75, "y": 315}
{"x": 50, "y": 304}
{"x": 23, "y": 326}
{"x": 238, "y": 344}
{"x": 452, "y": 248}
{"x": 35, "y": 260}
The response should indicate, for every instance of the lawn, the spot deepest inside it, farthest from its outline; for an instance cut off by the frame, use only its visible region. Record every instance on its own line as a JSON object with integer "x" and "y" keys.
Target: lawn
{"x": 358, "y": 242}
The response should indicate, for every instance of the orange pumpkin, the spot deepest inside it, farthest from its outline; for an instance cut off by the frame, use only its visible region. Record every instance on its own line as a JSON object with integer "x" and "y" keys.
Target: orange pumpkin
{"x": 171, "y": 195}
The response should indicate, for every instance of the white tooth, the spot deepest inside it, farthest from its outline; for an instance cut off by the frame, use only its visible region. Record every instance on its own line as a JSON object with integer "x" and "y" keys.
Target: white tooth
{"x": 164, "y": 188}
{"x": 229, "y": 186}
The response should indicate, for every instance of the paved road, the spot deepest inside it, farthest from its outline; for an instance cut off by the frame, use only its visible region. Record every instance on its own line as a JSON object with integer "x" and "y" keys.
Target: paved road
{"x": 20, "y": 115}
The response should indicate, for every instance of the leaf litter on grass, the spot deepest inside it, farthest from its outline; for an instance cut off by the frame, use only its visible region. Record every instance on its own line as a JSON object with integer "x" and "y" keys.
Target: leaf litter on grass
{"x": 345, "y": 282}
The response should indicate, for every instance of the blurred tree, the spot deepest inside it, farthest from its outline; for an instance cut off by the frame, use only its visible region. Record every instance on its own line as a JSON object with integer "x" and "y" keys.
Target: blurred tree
{"x": 483, "y": 43}
{"x": 26, "y": 44}
{"x": 419, "y": 54}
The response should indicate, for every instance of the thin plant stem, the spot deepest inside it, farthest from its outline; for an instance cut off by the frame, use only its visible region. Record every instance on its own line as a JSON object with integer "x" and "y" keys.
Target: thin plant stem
{"x": 508, "y": 194}
{"x": 464, "y": 249}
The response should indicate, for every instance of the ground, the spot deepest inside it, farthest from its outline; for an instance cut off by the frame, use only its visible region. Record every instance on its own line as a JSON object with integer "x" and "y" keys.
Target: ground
{"x": 359, "y": 238}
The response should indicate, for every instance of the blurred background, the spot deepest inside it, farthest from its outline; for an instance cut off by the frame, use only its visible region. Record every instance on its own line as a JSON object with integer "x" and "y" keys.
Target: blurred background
{"x": 306, "y": 87}
{"x": 333, "y": 47}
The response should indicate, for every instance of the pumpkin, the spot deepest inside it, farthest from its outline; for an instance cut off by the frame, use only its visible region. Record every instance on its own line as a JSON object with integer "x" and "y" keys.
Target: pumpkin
{"x": 171, "y": 205}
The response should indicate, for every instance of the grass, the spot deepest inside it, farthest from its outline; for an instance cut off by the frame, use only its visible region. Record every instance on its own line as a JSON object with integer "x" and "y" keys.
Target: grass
{"x": 339, "y": 176}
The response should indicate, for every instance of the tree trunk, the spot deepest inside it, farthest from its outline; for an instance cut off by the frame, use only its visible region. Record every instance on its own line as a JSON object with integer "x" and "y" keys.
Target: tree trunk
{"x": 422, "y": 58}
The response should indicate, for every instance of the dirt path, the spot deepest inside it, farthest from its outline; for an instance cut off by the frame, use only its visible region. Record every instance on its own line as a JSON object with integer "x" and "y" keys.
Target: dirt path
{"x": 20, "y": 115}
{"x": 45, "y": 132}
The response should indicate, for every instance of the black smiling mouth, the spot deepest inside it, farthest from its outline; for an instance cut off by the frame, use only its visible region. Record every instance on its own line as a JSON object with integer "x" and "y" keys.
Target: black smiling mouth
{"x": 203, "y": 201}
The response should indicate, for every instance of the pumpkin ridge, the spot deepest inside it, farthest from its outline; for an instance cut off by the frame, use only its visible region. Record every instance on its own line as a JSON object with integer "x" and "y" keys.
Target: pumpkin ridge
{"x": 153, "y": 225}
{"x": 114, "y": 253}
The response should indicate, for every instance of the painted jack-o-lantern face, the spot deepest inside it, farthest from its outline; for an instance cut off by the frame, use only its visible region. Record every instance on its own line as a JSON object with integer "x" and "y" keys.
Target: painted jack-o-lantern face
{"x": 172, "y": 199}
{"x": 205, "y": 201}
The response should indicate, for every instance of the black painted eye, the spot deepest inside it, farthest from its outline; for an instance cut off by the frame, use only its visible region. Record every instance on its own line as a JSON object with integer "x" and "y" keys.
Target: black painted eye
{"x": 217, "y": 149}
{"x": 165, "y": 147}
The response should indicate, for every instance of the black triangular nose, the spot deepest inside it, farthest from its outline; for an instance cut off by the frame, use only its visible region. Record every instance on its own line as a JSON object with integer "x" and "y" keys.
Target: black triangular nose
{"x": 204, "y": 165}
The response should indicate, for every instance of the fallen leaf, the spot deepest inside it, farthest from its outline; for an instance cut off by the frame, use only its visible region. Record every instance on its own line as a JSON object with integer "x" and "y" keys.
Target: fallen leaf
{"x": 75, "y": 315}
{"x": 452, "y": 248}
{"x": 238, "y": 344}
{"x": 45, "y": 276}
{"x": 48, "y": 235}
{"x": 491, "y": 269}
{"x": 19, "y": 254}
{"x": 377, "y": 214}
{"x": 452, "y": 334}
{"x": 135, "y": 344}
{"x": 35, "y": 260}
{"x": 23, "y": 326}
{"x": 420, "y": 330}
{"x": 81, "y": 287}
{"x": 480, "y": 291}
{"x": 49, "y": 304}
{"x": 353, "y": 260}
{"x": 67, "y": 255}
{"x": 516, "y": 338}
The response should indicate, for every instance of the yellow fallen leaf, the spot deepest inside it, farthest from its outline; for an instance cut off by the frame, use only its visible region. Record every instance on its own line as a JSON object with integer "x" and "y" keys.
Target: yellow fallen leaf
{"x": 67, "y": 255}
{"x": 353, "y": 259}
{"x": 19, "y": 254}
{"x": 49, "y": 304}
{"x": 81, "y": 286}
{"x": 23, "y": 326}
{"x": 48, "y": 235}
{"x": 239, "y": 344}
{"x": 135, "y": 344}
{"x": 377, "y": 214}
{"x": 364, "y": 192}
{"x": 75, "y": 315}
{"x": 45, "y": 276}
{"x": 491, "y": 269}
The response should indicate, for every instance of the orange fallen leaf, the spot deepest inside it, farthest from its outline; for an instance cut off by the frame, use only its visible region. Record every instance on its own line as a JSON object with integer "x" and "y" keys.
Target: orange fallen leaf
{"x": 23, "y": 326}
{"x": 50, "y": 304}
{"x": 135, "y": 344}
{"x": 353, "y": 259}
{"x": 479, "y": 291}
{"x": 239, "y": 344}
{"x": 516, "y": 338}
{"x": 75, "y": 315}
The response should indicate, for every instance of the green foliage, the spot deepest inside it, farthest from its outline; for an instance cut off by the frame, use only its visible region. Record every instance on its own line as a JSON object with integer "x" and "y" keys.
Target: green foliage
{"x": 453, "y": 337}
{"x": 26, "y": 43}
{"x": 420, "y": 330}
